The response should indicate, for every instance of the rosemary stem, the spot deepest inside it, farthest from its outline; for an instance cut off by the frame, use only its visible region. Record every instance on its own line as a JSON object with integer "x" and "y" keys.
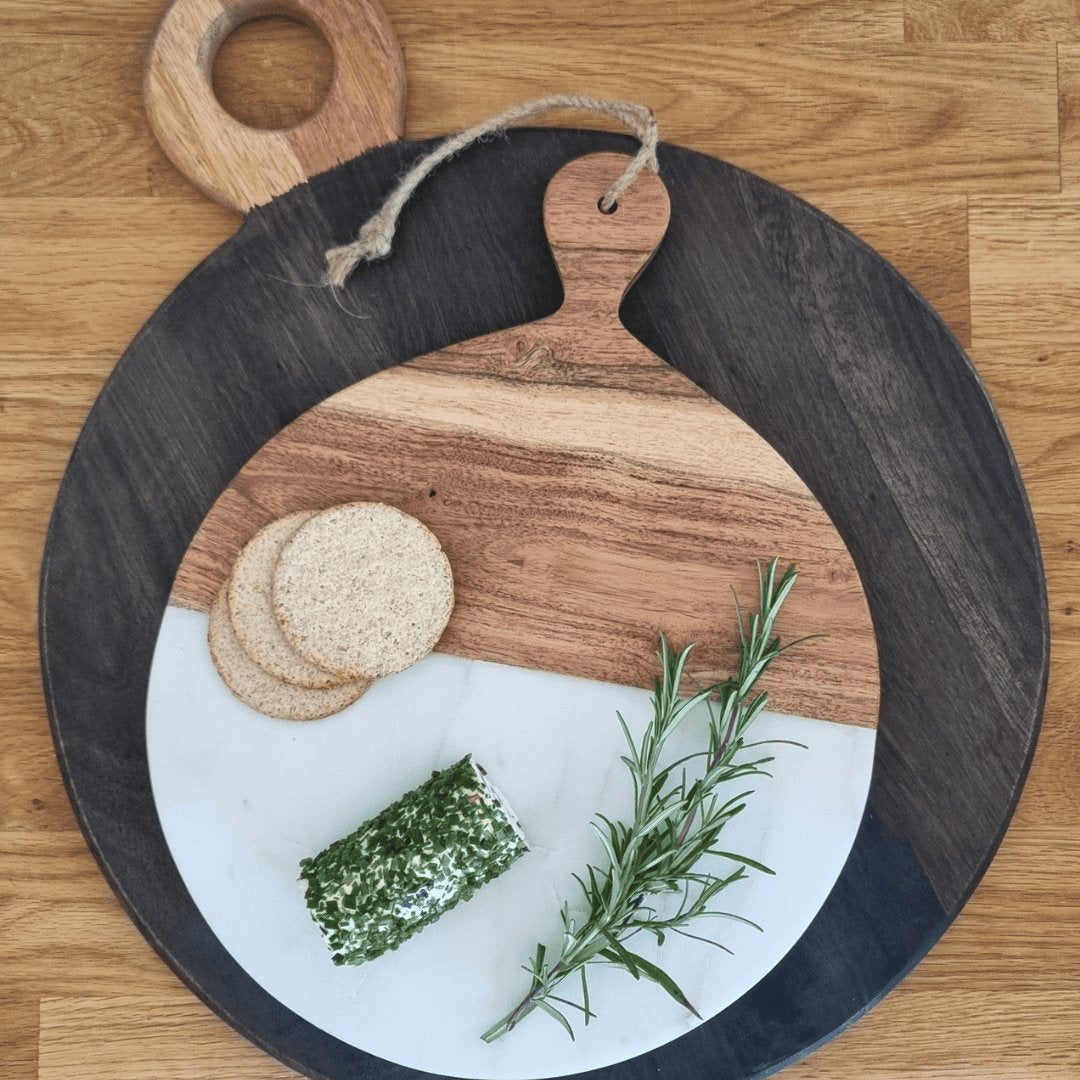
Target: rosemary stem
{"x": 673, "y": 826}
{"x": 528, "y": 1003}
{"x": 725, "y": 742}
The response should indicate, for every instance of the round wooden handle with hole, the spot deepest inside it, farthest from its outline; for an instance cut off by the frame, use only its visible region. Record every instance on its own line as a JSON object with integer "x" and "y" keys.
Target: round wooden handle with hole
{"x": 241, "y": 166}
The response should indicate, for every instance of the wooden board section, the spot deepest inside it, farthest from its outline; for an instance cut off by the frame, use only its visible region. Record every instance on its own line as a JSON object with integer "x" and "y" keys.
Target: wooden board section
{"x": 106, "y": 304}
{"x": 987, "y": 1001}
{"x": 573, "y": 547}
{"x": 588, "y": 496}
{"x": 19, "y": 1033}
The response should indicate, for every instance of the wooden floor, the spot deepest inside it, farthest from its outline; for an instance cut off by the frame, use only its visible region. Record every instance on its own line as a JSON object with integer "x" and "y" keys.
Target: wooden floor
{"x": 945, "y": 132}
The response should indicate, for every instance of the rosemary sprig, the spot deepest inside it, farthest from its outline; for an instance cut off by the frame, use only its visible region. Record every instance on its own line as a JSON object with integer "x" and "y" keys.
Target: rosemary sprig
{"x": 676, "y": 823}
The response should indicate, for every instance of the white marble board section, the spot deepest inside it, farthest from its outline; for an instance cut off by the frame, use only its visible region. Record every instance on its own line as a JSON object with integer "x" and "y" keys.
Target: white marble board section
{"x": 242, "y": 798}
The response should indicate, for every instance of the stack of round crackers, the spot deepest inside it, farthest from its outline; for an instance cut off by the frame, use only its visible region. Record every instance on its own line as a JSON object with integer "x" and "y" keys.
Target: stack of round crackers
{"x": 320, "y": 604}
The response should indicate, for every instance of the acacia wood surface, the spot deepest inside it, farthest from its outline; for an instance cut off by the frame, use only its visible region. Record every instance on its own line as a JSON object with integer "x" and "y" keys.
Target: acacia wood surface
{"x": 589, "y": 497}
{"x": 978, "y": 209}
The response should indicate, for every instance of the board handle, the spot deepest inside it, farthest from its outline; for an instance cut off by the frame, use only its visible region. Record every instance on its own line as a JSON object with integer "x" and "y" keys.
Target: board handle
{"x": 601, "y": 253}
{"x": 240, "y": 166}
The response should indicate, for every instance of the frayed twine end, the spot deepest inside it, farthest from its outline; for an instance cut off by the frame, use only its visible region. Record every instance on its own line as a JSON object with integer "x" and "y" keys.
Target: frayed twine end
{"x": 372, "y": 242}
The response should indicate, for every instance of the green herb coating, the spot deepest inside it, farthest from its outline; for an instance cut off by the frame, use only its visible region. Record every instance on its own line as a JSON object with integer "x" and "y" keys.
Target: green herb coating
{"x": 411, "y": 863}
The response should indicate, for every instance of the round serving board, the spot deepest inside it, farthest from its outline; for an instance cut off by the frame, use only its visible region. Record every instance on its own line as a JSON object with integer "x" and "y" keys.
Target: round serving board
{"x": 589, "y": 498}
{"x": 774, "y": 311}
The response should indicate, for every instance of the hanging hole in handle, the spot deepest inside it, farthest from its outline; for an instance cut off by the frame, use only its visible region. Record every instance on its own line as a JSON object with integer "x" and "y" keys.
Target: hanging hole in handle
{"x": 606, "y": 209}
{"x": 273, "y": 71}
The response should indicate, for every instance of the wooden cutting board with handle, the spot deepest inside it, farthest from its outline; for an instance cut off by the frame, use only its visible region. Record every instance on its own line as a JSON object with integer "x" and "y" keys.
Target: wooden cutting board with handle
{"x": 768, "y": 385}
{"x": 589, "y": 496}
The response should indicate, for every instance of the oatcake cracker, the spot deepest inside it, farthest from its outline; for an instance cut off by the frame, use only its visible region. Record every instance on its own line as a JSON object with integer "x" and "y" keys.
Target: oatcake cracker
{"x": 261, "y": 690}
{"x": 252, "y": 614}
{"x": 363, "y": 590}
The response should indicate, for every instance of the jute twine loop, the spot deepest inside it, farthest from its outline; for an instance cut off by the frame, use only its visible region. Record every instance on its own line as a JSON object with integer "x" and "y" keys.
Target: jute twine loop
{"x": 377, "y": 234}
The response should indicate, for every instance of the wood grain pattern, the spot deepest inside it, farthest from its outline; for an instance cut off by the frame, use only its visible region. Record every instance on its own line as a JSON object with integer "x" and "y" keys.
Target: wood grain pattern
{"x": 1025, "y": 288}
{"x": 1051, "y": 795}
{"x": 572, "y": 549}
{"x": 643, "y": 21}
{"x": 19, "y": 1015}
{"x": 169, "y": 1036}
{"x": 1025, "y": 261}
{"x": 817, "y": 117}
{"x": 33, "y": 795}
{"x": 50, "y": 867}
{"x": 1068, "y": 58}
{"x": 71, "y": 124}
{"x": 588, "y": 496}
{"x": 1003, "y": 20}
{"x": 1003, "y": 950}
{"x": 95, "y": 934}
{"x": 99, "y": 134}
{"x": 755, "y": 20}
{"x": 810, "y": 117}
{"x": 106, "y": 303}
{"x": 241, "y": 166}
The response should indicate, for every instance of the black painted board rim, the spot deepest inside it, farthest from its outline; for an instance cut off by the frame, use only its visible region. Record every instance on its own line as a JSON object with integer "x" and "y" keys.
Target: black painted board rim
{"x": 329, "y": 208}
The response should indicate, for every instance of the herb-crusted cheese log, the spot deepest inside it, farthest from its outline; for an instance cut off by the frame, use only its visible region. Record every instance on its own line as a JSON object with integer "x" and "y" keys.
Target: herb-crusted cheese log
{"x": 400, "y": 871}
